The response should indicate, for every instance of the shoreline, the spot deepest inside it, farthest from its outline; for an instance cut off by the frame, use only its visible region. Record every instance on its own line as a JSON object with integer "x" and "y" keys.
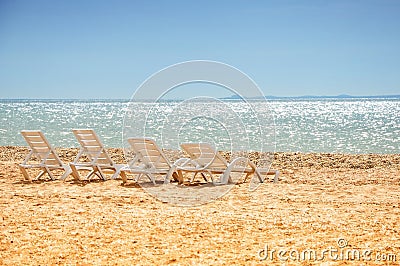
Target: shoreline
{"x": 281, "y": 159}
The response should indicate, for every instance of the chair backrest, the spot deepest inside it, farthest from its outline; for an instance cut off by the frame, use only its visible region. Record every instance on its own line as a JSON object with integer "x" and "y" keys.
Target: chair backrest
{"x": 40, "y": 148}
{"x": 92, "y": 147}
{"x": 148, "y": 153}
{"x": 205, "y": 155}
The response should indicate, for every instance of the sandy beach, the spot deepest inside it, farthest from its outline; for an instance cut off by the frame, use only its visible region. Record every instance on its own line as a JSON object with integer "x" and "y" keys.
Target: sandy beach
{"x": 346, "y": 204}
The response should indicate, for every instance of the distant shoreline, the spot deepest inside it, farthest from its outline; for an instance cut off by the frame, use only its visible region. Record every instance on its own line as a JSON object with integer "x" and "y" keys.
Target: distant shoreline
{"x": 341, "y": 96}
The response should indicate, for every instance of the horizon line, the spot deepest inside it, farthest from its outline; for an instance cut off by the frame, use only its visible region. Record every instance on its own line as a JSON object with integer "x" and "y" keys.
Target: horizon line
{"x": 233, "y": 97}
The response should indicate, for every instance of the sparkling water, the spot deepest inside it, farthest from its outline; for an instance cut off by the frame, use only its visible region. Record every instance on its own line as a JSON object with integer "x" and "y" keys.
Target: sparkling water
{"x": 303, "y": 125}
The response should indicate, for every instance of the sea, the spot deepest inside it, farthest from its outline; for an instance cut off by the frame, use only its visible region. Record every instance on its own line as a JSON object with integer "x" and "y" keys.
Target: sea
{"x": 327, "y": 125}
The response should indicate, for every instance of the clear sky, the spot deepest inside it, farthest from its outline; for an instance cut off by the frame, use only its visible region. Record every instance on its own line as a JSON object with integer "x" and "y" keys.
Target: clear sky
{"x": 106, "y": 49}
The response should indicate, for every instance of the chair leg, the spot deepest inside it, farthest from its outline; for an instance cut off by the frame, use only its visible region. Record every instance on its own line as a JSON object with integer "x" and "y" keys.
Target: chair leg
{"x": 180, "y": 177}
{"x": 276, "y": 176}
{"x": 124, "y": 177}
{"x": 25, "y": 173}
{"x": 117, "y": 172}
{"x": 137, "y": 177}
{"x": 169, "y": 175}
{"x": 103, "y": 176}
{"x": 67, "y": 172}
{"x": 225, "y": 177}
{"x": 74, "y": 172}
{"x": 115, "y": 175}
{"x": 41, "y": 174}
{"x": 49, "y": 173}
{"x": 194, "y": 176}
{"x": 245, "y": 178}
{"x": 211, "y": 176}
{"x": 91, "y": 173}
{"x": 258, "y": 174}
{"x": 153, "y": 179}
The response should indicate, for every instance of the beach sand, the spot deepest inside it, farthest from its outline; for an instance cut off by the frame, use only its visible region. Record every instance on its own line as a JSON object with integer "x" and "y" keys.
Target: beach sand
{"x": 321, "y": 202}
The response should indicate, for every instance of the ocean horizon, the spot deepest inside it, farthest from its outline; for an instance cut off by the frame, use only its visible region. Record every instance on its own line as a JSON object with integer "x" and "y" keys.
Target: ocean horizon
{"x": 230, "y": 98}
{"x": 352, "y": 124}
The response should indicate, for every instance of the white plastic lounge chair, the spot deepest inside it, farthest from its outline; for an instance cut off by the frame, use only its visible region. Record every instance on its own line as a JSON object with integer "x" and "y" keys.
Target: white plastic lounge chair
{"x": 148, "y": 159}
{"x": 41, "y": 155}
{"x": 205, "y": 159}
{"x": 92, "y": 156}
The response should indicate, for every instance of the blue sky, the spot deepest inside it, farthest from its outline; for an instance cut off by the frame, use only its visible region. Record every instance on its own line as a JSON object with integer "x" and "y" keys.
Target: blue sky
{"x": 106, "y": 49}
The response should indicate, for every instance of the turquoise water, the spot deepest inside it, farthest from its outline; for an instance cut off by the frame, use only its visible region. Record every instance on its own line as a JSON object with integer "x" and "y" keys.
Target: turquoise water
{"x": 306, "y": 125}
